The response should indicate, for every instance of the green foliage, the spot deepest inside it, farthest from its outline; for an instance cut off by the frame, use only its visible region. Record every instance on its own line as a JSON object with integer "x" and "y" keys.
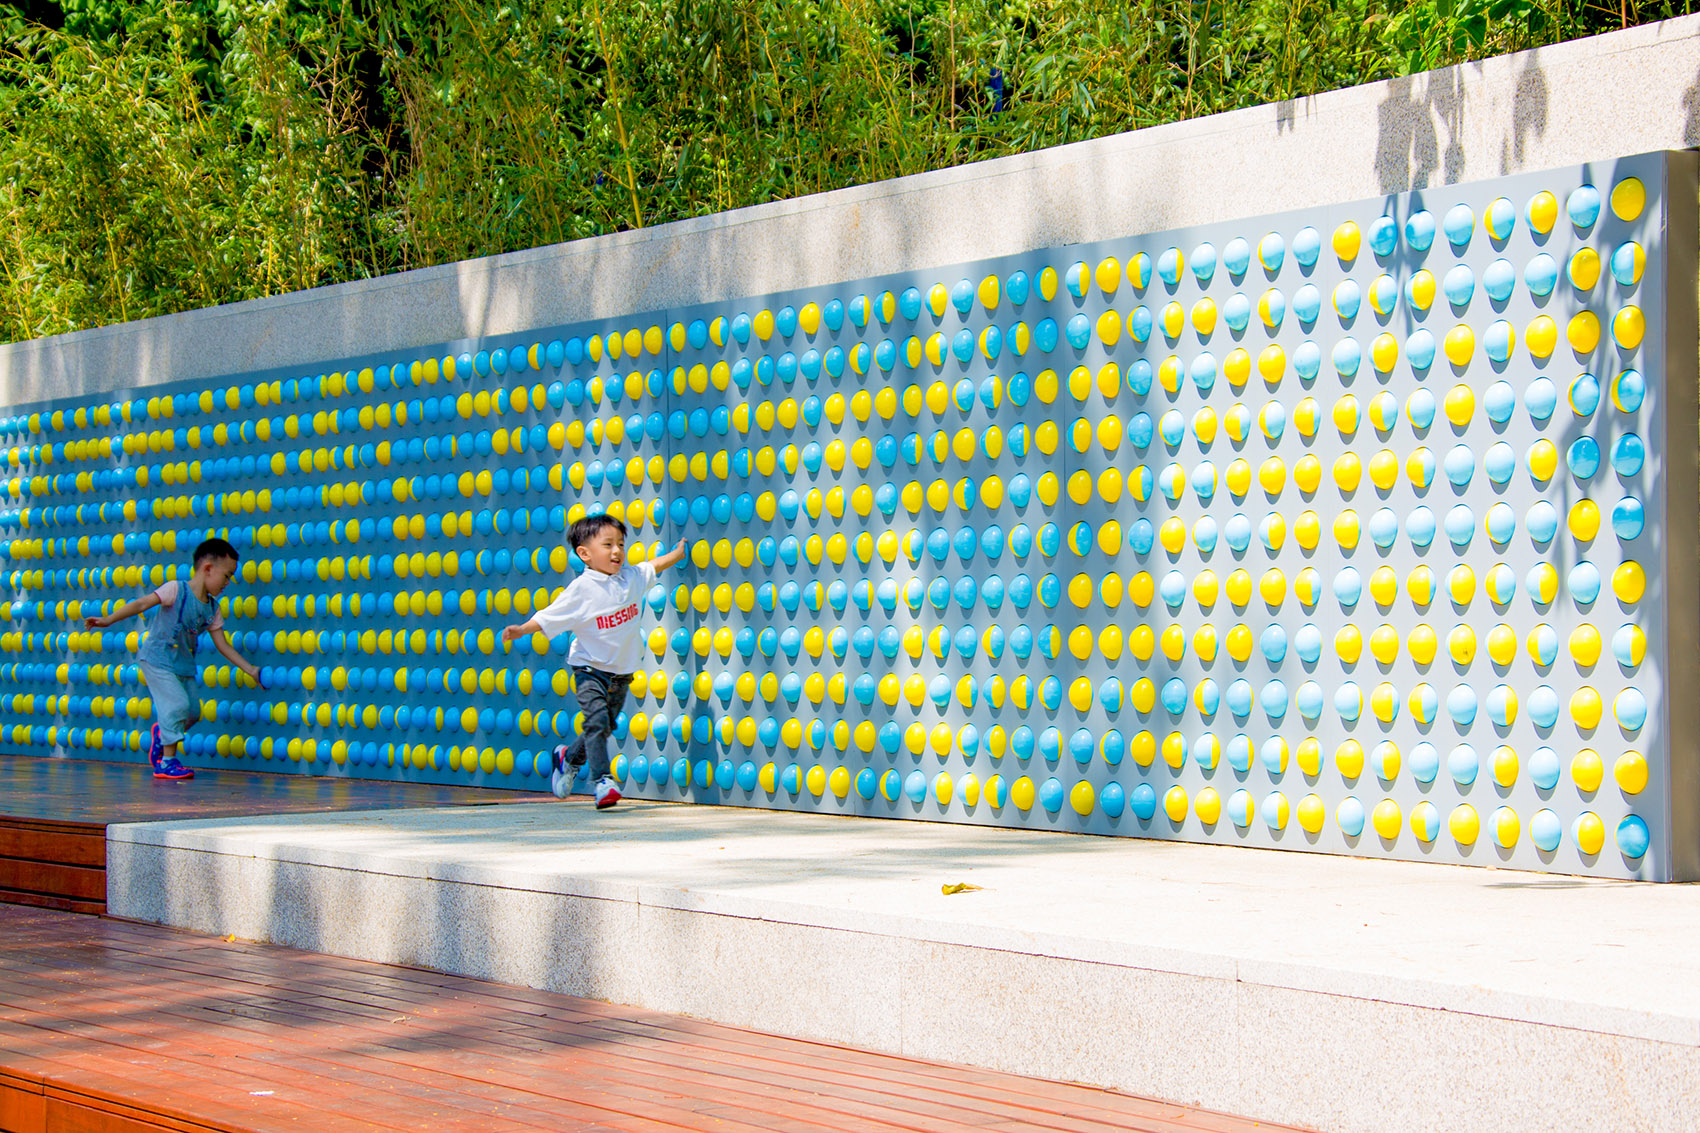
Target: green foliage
{"x": 172, "y": 154}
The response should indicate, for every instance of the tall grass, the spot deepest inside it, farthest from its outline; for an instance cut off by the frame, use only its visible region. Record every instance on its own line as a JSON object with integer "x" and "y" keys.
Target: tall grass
{"x": 161, "y": 156}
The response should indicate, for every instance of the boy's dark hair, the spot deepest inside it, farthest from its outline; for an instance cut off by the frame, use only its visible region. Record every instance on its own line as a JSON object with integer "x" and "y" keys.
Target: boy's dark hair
{"x": 215, "y": 549}
{"x": 584, "y": 530}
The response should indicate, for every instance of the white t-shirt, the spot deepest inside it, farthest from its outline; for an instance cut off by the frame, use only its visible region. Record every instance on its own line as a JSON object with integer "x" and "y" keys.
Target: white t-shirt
{"x": 605, "y": 614}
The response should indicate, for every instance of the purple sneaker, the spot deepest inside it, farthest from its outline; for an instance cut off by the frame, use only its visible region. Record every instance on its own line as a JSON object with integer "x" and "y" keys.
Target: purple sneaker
{"x": 169, "y": 768}
{"x": 156, "y": 747}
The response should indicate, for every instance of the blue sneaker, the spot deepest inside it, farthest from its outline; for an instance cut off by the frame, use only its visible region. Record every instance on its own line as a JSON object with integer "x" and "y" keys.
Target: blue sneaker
{"x": 156, "y": 747}
{"x": 169, "y": 768}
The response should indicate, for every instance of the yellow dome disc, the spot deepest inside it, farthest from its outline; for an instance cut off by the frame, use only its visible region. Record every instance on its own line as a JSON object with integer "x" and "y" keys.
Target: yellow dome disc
{"x": 1239, "y": 640}
{"x": 1272, "y": 587}
{"x": 1205, "y": 588}
{"x": 1204, "y": 426}
{"x": 1584, "y": 269}
{"x": 1307, "y": 474}
{"x": 1204, "y": 317}
{"x": 1307, "y": 529}
{"x": 1630, "y": 772}
{"x": 1387, "y": 819}
{"x": 1541, "y": 336}
{"x": 1347, "y": 239}
{"x": 1586, "y": 708}
{"x": 1349, "y": 644}
{"x": 1423, "y": 644}
{"x": 1272, "y": 476}
{"x": 1584, "y": 520}
{"x": 1236, "y": 367}
{"x": 1585, "y": 645}
{"x": 1629, "y": 582}
{"x": 1349, "y": 758}
{"x": 1306, "y": 416}
{"x": 1346, "y": 529}
{"x": 1311, "y": 813}
{"x": 1629, "y": 327}
{"x": 1461, "y": 644}
{"x": 1542, "y": 212}
{"x": 1272, "y": 364}
{"x": 1464, "y": 824}
{"x": 1628, "y": 198}
{"x": 1502, "y": 645}
{"x": 1175, "y": 800}
{"x": 1346, "y": 415}
{"x": 1584, "y": 332}
{"x": 1590, "y": 833}
{"x": 1460, "y": 403}
{"x": 1587, "y": 770}
{"x": 1543, "y": 460}
{"x": 1237, "y": 478}
{"x": 1419, "y": 584}
{"x": 1460, "y": 344}
{"x": 1384, "y": 644}
{"x": 1384, "y": 353}
{"x": 1422, "y": 290}
{"x": 1384, "y": 469}
{"x": 1348, "y": 470}
{"x": 1461, "y": 584}
{"x": 1108, "y": 276}
{"x": 1109, "y": 328}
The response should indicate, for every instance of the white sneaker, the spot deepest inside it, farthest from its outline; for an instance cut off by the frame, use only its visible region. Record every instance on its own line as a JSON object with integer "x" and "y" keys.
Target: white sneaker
{"x": 607, "y": 794}
{"x": 561, "y": 783}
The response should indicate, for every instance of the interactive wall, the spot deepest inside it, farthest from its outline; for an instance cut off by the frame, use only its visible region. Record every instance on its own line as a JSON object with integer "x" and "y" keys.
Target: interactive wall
{"x": 1357, "y": 529}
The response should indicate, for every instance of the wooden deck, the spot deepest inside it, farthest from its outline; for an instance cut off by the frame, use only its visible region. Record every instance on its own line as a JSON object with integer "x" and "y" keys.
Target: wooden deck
{"x": 110, "y": 1026}
{"x": 54, "y": 814}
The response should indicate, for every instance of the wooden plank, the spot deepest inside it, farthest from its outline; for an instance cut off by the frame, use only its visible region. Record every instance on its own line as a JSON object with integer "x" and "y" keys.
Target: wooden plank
{"x": 79, "y": 882}
{"x": 31, "y": 843}
{"x": 52, "y": 901}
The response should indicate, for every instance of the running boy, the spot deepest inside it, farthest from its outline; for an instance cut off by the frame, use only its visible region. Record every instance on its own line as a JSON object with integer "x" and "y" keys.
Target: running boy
{"x": 167, "y": 657}
{"x": 603, "y": 607}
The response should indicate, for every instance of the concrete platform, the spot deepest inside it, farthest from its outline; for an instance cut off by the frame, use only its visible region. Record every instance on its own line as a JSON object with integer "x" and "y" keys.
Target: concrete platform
{"x": 1337, "y": 993}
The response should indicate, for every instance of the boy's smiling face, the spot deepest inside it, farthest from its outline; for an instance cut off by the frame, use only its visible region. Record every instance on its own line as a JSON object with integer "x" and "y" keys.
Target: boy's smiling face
{"x": 215, "y": 574}
{"x": 606, "y": 551}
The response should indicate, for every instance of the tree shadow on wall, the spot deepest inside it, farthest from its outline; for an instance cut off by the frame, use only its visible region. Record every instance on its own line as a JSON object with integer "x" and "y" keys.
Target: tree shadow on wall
{"x": 1421, "y": 122}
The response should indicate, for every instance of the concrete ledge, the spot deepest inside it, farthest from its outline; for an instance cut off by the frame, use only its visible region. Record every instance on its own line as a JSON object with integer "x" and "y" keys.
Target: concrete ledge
{"x": 1629, "y": 92}
{"x": 1337, "y": 993}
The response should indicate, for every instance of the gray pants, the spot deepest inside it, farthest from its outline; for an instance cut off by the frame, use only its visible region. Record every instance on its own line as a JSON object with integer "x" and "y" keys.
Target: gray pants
{"x": 175, "y": 704}
{"x": 601, "y": 697}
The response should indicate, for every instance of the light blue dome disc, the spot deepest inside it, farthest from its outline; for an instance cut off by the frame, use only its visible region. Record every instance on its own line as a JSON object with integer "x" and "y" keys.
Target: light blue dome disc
{"x": 1349, "y": 816}
{"x": 1419, "y": 230}
{"x": 1348, "y": 299}
{"x": 1419, "y": 352}
{"x": 1307, "y": 246}
{"x": 1623, "y": 646}
{"x": 1424, "y": 762}
{"x": 1349, "y": 702}
{"x": 1462, "y": 764}
{"x": 1273, "y": 645}
{"x": 1499, "y": 401}
{"x": 1544, "y": 768}
{"x": 1540, "y": 275}
{"x": 1142, "y": 801}
{"x": 1501, "y": 581}
{"x": 1425, "y": 703}
{"x": 1500, "y": 704}
{"x": 1173, "y": 588}
{"x": 1459, "y": 225}
{"x": 1628, "y": 518}
{"x": 1307, "y": 303}
{"x": 1204, "y": 262}
{"x": 1584, "y": 395}
{"x": 1501, "y": 523}
{"x": 1208, "y": 697}
{"x": 1459, "y": 286}
{"x": 1500, "y": 462}
{"x": 1238, "y": 698}
{"x": 1583, "y": 583}
{"x": 1275, "y": 700}
{"x": 1384, "y": 528}
{"x": 1500, "y": 219}
{"x": 1272, "y": 252}
{"x": 1459, "y": 465}
{"x": 1628, "y": 454}
{"x": 1633, "y": 837}
{"x": 1583, "y": 457}
{"x": 1626, "y": 264}
{"x": 1630, "y": 708}
{"x": 1174, "y": 696}
{"x": 1420, "y": 406}
{"x": 1348, "y": 356}
{"x": 1383, "y": 235}
{"x": 1348, "y": 587}
{"x": 1172, "y": 428}
{"x": 1203, "y": 371}
{"x": 1541, "y": 398}
{"x": 1628, "y": 391}
{"x": 1419, "y": 526}
{"x": 1169, "y": 266}
{"x": 1307, "y": 643}
{"x": 1498, "y": 341}
{"x": 1545, "y": 830}
{"x": 1204, "y": 535}
{"x": 1460, "y": 525}
{"x": 1273, "y": 418}
{"x": 1236, "y": 312}
{"x": 1236, "y": 256}
{"x": 1307, "y": 361}
{"x": 1461, "y": 705}
{"x": 1237, "y": 532}
{"x": 1583, "y": 205}
{"x": 1308, "y": 700}
{"x": 1543, "y": 707}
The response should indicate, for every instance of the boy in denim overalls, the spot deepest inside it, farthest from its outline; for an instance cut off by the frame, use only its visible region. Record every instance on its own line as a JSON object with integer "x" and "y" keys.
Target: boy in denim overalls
{"x": 167, "y": 657}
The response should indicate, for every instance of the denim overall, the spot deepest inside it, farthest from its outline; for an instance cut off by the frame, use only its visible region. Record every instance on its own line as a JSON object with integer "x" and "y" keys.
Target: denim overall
{"x": 167, "y": 659}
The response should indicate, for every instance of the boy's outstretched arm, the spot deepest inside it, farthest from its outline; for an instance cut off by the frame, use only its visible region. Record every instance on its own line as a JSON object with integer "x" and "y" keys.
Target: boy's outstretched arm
{"x": 128, "y": 610}
{"x": 662, "y": 562}
{"x": 222, "y": 644}
{"x": 524, "y": 629}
